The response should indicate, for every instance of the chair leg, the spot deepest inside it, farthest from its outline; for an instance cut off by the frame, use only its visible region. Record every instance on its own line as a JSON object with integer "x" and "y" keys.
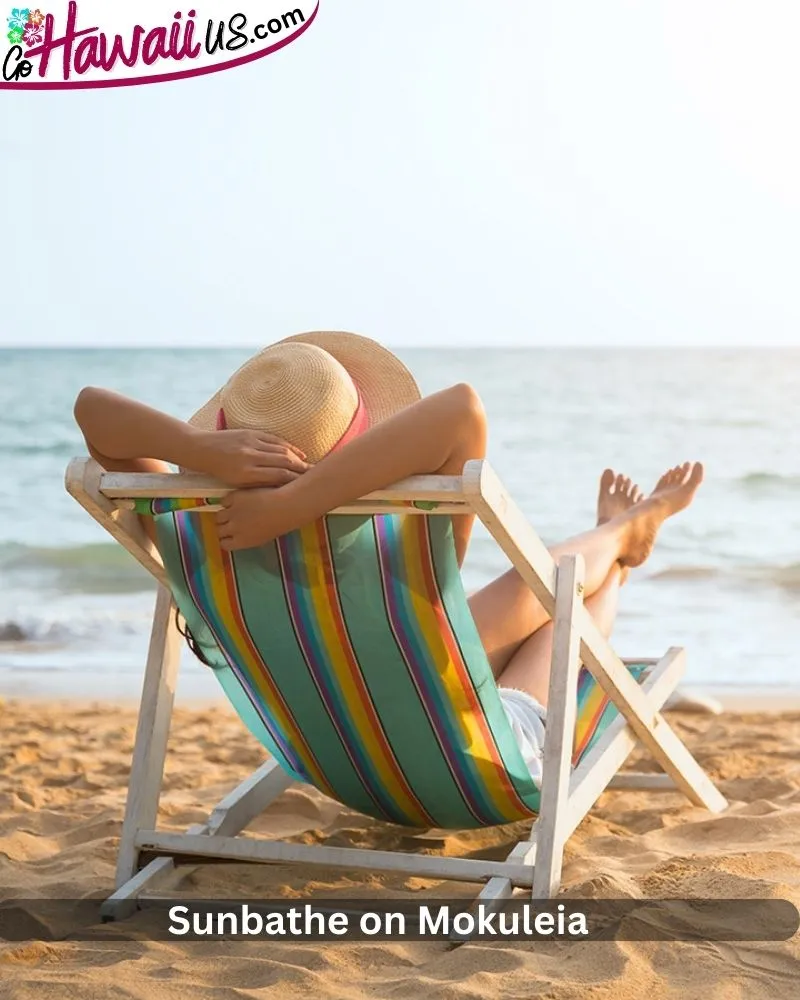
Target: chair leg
{"x": 152, "y": 733}
{"x": 561, "y": 712}
{"x": 229, "y": 817}
{"x": 662, "y": 742}
{"x": 544, "y": 849}
{"x": 641, "y": 780}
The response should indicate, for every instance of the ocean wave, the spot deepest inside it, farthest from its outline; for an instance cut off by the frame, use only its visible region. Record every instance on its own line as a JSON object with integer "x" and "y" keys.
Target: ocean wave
{"x": 103, "y": 568}
{"x": 36, "y": 629}
{"x": 786, "y": 577}
{"x": 678, "y": 573}
{"x": 106, "y": 568}
{"x": 64, "y": 449}
{"x": 769, "y": 480}
{"x": 42, "y": 631}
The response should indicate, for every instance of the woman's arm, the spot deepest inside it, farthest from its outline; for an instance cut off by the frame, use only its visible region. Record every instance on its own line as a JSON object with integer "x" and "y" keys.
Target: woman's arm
{"x": 126, "y": 436}
{"x": 436, "y": 435}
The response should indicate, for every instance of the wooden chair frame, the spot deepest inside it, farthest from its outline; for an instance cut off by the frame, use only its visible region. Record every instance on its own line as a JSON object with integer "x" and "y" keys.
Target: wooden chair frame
{"x": 567, "y": 793}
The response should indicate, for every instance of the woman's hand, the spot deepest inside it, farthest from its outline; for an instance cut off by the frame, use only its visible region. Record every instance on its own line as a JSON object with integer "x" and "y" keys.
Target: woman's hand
{"x": 247, "y": 458}
{"x": 254, "y": 516}
{"x": 126, "y": 435}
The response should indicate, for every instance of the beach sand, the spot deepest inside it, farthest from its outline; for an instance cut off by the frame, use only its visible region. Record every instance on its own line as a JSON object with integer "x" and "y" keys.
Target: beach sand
{"x": 63, "y": 769}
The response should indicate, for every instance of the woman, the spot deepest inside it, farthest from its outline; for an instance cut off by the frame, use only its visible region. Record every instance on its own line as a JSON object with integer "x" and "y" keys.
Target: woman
{"x": 321, "y": 419}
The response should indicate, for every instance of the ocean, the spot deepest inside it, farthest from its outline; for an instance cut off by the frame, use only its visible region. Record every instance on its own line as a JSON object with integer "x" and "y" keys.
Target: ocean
{"x": 724, "y": 580}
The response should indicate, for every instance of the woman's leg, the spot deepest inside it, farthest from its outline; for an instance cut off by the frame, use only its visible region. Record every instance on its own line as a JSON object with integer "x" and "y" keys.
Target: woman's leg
{"x": 507, "y": 613}
{"x": 529, "y": 668}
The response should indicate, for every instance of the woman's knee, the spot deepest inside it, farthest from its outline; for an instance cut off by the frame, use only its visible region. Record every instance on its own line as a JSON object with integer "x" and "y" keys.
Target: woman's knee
{"x": 467, "y": 399}
{"x": 472, "y": 416}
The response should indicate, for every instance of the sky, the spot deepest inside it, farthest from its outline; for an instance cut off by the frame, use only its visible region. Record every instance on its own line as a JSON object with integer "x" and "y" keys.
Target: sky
{"x": 431, "y": 172}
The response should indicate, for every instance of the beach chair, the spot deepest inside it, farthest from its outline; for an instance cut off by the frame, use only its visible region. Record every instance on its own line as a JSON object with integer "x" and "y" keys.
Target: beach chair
{"x": 349, "y": 651}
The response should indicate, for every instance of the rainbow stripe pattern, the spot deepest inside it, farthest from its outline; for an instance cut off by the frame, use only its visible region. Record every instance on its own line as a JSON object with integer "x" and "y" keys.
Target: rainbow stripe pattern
{"x": 349, "y": 651}
{"x": 164, "y": 506}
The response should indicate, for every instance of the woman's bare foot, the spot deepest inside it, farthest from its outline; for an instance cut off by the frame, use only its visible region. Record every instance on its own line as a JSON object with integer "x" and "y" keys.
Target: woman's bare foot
{"x": 617, "y": 495}
{"x": 674, "y": 491}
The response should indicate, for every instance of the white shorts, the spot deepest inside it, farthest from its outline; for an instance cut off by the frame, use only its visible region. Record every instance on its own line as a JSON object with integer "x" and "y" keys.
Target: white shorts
{"x": 527, "y": 717}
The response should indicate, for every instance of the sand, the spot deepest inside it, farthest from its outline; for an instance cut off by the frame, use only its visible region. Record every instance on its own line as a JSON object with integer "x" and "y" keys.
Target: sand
{"x": 63, "y": 769}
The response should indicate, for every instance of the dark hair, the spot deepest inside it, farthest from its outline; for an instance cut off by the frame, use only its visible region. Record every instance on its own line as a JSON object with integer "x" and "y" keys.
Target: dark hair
{"x": 191, "y": 642}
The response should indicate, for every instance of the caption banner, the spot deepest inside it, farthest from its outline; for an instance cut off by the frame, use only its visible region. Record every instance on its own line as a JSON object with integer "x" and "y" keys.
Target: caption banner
{"x": 427, "y": 919}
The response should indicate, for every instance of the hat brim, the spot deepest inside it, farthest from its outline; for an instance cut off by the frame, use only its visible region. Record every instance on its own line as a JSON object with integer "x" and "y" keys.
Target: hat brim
{"x": 384, "y": 383}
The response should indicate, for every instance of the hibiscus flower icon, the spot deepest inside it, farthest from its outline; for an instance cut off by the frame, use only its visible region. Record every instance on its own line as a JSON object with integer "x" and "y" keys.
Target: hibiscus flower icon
{"x": 33, "y": 34}
{"x": 15, "y": 36}
{"x": 36, "y": 17}
{"x": 19, "y": 18}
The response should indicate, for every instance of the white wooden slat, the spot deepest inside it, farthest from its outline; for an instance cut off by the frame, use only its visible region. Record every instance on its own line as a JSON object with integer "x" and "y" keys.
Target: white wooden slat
{"x": 495, "y": 892}
{"x": 230, "y": 816}
{"x": 152, "y": 733}
{"x": 82, "y": 481}
{"x": 489, "y": 900}
{"x": 644, "y": 781}
{"x": 123, "y": 902}
{"x": 246, "y": 850}
{"x": 560, "y": 731}
{"x": 511, "y": 530}
{"x": 190, "y": 485}
{"x": 378, "y": 507}
{"x": 525, "y": 851}
{"x": 249, "y": 799}
{"x": 646, "y": 722}
{"x": 498, "y": 889}
{"x": 601, "y": 763}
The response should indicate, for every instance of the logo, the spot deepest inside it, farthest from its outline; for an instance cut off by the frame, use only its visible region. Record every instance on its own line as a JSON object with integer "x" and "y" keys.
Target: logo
{"x": 99, "y": 44}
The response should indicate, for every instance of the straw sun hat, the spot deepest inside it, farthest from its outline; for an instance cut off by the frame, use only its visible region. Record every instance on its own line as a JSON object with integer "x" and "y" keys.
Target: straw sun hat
{"x": 314, "y": 390}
